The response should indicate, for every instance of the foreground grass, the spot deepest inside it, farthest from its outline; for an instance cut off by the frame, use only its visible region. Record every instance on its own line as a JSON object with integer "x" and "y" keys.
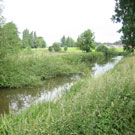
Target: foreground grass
{"x": 95, "y": 106}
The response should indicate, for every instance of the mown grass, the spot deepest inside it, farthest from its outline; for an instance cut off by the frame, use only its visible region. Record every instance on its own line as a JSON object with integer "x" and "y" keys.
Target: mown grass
{"x": 103, "y": 105}
{"x": 28, "y": 69}
{"x": 70, "y": 49}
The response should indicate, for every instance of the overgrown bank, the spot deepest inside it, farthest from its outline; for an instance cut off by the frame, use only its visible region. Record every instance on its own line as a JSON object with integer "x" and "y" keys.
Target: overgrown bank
{"x": 29, "y": 70}
{"x": 94, "y": 106}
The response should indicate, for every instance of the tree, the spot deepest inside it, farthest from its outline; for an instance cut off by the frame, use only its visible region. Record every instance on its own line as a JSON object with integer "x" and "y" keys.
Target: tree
{"x": 70, "y": 42}
{"x": 86, "y": 41}
{"x": 117, "y": 42}
{"x": 65, "y": 48}
{"x": 25, "y": 39}
{"x": 56, "y": 47}
{"x": 35, "y": 40}
{"x": 50, "y": 49}
{"x": 40, "y": 42}
{"x": 1, "y": 16}
{"x": 102, "y": 48}
{"x": 125, "y": 14}
{"x": 11, "y": 40}
{"x": 1, "y": 32}
{"x": 30, "y": 40}
{"x": 63, "y": 41}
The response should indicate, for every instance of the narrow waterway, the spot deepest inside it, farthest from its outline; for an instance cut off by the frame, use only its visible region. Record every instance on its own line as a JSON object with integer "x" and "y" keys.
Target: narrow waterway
{"x": 19, "y": 99}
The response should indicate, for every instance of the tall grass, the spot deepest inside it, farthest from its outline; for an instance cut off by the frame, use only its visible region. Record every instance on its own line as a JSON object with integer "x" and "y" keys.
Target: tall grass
{"x": 103, "y": 105}
{"x": 29, "y": 70}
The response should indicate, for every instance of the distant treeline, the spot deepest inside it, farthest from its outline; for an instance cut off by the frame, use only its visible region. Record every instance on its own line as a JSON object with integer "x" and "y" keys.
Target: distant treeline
{"x": 10, "y": 33}
{"x": 108, "y": 43}
{"x": 10, "y": 40}
{"x": 30, "y": 39}
{"x": 10, "y": 37}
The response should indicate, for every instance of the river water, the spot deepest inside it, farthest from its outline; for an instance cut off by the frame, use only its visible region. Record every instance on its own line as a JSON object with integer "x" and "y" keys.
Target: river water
{"x": 20, "y": 99}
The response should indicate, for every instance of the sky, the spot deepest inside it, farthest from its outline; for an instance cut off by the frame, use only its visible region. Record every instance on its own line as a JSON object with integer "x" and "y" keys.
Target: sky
{"x": 52, "y": 19}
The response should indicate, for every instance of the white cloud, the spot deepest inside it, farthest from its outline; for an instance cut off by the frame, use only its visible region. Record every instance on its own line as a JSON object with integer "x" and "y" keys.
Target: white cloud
{"x": 54, "y": 18}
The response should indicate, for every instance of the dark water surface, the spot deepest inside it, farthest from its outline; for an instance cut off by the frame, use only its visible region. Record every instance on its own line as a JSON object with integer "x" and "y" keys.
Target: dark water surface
{"x": 18, "y": 99}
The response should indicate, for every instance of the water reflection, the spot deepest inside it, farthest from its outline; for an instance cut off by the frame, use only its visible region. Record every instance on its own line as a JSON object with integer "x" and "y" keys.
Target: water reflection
{"x": 99, "y": 69}
{"x": 18, "y": 99}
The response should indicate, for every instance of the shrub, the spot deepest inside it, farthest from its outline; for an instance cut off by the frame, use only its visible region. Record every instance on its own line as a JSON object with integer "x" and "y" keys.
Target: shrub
{"x": 50, "y": 49}
{"x": 103, "y": 49}
{"x": 56, "y": 47}
{"x": 65, "y": 48}
{"x": 109, "y": 52}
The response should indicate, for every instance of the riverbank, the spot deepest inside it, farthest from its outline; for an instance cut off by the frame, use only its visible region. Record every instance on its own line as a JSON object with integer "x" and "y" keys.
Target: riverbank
{"x": 17, "y": 99}
{"x": 28, "y": 70}
{"x": 101, "y": 105}
{"x": 31, "y": 69}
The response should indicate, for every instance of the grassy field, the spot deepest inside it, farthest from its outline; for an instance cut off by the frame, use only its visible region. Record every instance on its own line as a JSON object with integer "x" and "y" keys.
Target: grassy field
{"x": 70, "y": 49}
{"x": 119, "y": 49}
{"x": 94, "y": 106}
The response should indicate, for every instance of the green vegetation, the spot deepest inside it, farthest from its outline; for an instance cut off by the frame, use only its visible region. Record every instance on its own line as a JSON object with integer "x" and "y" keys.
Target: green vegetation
{"x": 103, "y": 49}
{"x": 86, "y": 41}
{"x": 94, "y": 106}
{"x": 125, "y": 14}
{"x": 102, "y": 105}
{"x": 108, "y": 52}
{"x": 56, "y": 47}
{"x": 29, "y": 69}
{"x": 50, "y": 49}
{"x": 30, "y": 40}
{"x": 10, "y": 42}
{"x": 65, "y": 48}
{"x": 70, "y": 50}
{"x": 21, "y": 67}
{"x": 119, "y": 42}
{"x": 74, "y": 49}
{"x": 67, "y": 42}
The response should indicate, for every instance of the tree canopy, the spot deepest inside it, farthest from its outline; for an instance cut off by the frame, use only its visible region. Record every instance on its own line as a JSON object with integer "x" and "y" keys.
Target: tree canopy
{"x": 125, "y": 13}
{"x": 10, "y": 41}
{"x": 56, "y": 47}
{"x": 1, "y": 16}
{"x": 86, "y": 41}
{"x": 30, "y": 40}
{"x": 69, "y": 42}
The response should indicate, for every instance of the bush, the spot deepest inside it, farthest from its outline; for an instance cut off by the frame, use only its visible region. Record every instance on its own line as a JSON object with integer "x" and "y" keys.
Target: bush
{"x": 109, "y": 52}
{"x": 65, "y": 48}
{"x": 56, "y": 47}
{"x": 50, "y": 49}
{"x": 103, "y": 49}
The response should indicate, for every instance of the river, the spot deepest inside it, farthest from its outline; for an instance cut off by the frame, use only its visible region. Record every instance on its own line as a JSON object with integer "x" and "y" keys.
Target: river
{"x": 19, "y": 99}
